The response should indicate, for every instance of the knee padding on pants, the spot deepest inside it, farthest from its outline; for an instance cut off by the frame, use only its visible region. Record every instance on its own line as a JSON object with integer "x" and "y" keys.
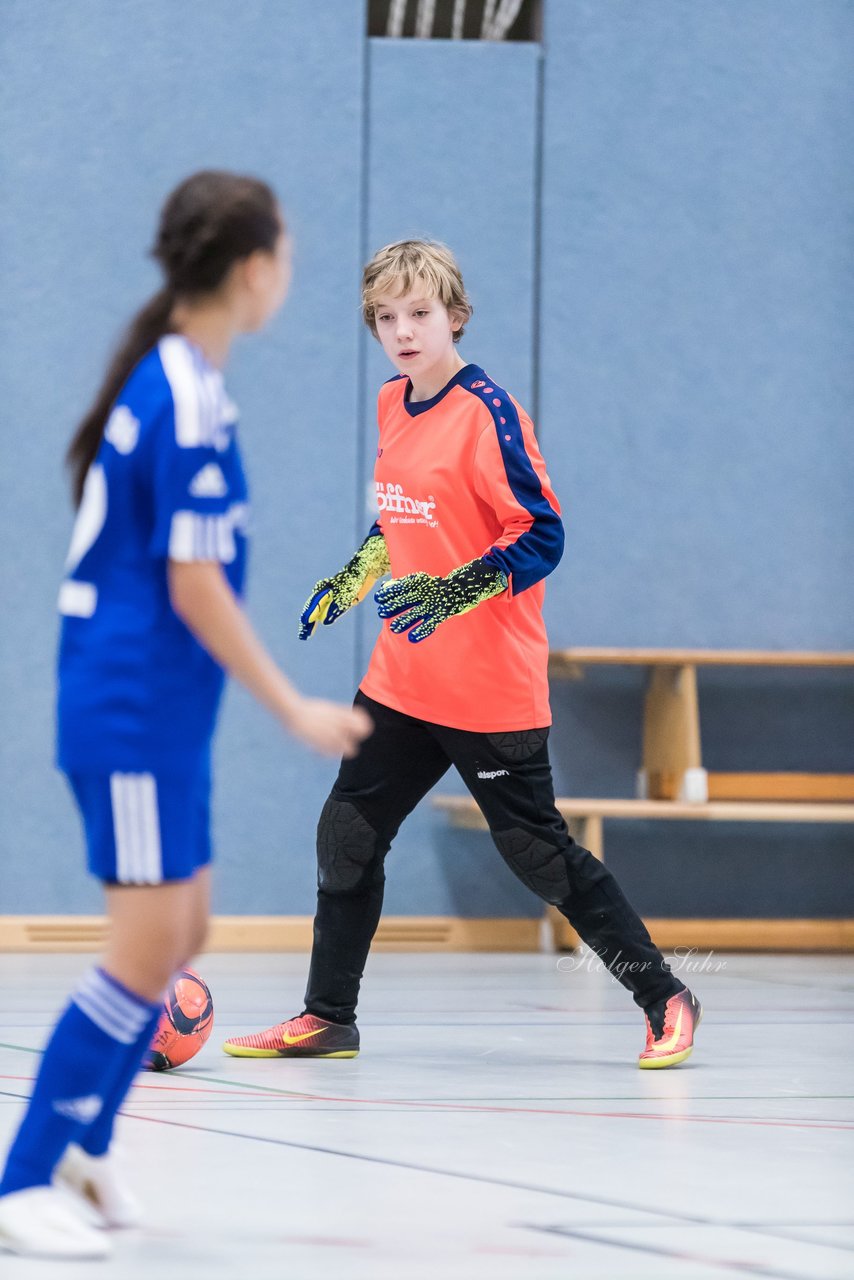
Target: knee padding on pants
{"x": 538, "y": 864}
{"x": 518, "y": 745}
{"x": 346, "y": 846}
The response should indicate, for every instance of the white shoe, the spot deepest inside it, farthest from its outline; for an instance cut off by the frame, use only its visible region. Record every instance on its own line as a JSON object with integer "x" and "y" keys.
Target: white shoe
{"x": 42, "y": 1222}
{"x": 99, "y": 1182}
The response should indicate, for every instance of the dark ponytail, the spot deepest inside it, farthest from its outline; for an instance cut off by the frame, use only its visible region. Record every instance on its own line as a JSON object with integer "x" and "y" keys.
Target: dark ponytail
{"x": 211, "y": 221}
{"x": 147, "y": 328}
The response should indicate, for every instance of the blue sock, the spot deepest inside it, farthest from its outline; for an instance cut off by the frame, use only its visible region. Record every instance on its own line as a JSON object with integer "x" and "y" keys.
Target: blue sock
{"x": 97, "y": 1138}
{"x": 88, "y": 1053}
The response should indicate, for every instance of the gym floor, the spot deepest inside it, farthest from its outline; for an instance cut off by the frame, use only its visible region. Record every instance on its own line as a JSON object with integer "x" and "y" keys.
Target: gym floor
{"x": 495, "y": 1125}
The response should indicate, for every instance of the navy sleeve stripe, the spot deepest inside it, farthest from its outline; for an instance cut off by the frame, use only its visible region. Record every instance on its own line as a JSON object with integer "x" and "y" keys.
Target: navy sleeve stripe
{"x": 538, "y": 551}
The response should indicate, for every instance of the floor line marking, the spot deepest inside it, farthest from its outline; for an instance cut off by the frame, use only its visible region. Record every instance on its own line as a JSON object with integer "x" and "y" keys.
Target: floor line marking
{"x": 389, "y": 1162}
{"x": 489, "y": 1109}
{"x": 169, "y": 1088}
{"x": 582, "y": 1114}
{"x": 732, "y": 1265}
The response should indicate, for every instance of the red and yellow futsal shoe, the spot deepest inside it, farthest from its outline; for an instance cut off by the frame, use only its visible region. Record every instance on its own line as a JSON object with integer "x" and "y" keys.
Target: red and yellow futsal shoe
{"x": 302, "y": 1037}
{"x": 670, "y": 1029}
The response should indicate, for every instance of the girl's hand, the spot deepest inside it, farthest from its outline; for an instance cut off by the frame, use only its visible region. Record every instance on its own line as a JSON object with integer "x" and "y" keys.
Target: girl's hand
{"x": 202, "y": 597}
{"x": 329, "y": 728}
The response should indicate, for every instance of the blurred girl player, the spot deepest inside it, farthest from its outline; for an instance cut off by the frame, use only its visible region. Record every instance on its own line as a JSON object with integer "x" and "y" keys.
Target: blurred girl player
{"x": 151, "y": 619}
{"x": 469, "y": 527}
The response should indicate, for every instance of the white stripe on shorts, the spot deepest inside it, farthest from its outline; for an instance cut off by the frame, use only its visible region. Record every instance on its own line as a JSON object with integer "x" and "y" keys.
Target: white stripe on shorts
{"x": 136, "y": 825}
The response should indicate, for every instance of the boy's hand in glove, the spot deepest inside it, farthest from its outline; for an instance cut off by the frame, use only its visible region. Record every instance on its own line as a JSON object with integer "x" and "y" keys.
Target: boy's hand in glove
{"x": 419, "y": 602}
{"x": 333, "y": 596}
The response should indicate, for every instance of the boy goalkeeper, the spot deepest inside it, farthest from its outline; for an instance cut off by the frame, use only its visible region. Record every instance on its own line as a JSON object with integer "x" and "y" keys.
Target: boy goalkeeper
{"x": 469, "y": 528}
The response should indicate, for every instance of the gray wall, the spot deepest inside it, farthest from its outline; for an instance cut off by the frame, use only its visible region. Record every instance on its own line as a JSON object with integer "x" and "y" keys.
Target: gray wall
{"x": 653, "y": 213}
{"x": 696, "y": 383}
{"x": 470, "y": 182}
{"x": 697, "y": 375}
{"x": 105, "y": 106}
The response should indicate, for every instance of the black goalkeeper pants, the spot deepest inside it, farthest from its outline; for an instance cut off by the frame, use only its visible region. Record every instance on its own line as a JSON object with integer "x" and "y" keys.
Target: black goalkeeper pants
{"x": 510, "y": 777}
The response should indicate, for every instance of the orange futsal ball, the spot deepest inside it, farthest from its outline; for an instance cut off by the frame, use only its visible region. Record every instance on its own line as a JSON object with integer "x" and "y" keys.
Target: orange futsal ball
{"x": 185, "y": 1023}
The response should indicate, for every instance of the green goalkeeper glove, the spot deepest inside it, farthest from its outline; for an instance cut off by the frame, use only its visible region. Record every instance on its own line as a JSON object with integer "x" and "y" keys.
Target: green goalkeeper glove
{"x": 333, "y": 596}
{"x": 419, "y": 602}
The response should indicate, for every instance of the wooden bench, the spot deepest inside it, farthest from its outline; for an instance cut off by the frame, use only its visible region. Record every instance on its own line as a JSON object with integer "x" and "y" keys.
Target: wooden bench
{"x": 585, "y": 818}
{"x": 674, "y": 786}
{"x": 671, "y": 766}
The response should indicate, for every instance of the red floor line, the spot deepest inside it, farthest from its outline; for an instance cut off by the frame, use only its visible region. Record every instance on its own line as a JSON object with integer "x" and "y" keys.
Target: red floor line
{"x": 493, "y": 1110}
{"x": 555, "y": 1111}
{"x": 169, "y": 1087}
{"x": 673, "y": 1216}
{"x": 604, "y": 1115}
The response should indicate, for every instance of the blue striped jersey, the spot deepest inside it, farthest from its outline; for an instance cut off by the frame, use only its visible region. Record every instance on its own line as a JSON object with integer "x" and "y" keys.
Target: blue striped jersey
{"x": 137, "y": 692}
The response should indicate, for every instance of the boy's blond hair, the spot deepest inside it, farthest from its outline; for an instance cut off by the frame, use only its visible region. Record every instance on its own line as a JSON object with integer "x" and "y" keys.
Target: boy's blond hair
{"x": 397, "y": 268}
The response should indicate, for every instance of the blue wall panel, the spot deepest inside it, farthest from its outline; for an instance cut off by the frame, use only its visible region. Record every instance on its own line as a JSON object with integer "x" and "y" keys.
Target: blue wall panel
{"x": 696, "y": 383}
{"x": 104, "y": 107}
{"x": 697, "y": 304}
{"x": 693, "y": 378}
{"x": 452, "y": 156}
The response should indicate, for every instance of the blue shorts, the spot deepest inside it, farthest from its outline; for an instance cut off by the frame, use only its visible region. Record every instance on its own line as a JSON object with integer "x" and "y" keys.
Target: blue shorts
{"x": 145, "y": 828}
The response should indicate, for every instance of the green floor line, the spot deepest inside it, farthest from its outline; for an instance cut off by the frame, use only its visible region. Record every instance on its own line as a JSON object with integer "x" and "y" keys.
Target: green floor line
{"x": 306, "y": 1094}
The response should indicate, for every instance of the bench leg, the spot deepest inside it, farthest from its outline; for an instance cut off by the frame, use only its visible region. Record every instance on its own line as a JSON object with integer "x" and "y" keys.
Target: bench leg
{"x": 557, "y": 934}
{"x": 588, "y": 833}
{"x": 672, "y": 765}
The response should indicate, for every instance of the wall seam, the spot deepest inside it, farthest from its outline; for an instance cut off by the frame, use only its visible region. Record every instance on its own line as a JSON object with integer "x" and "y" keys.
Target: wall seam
{"x": 536, "y": 266}
{"x": 362, "y": 350}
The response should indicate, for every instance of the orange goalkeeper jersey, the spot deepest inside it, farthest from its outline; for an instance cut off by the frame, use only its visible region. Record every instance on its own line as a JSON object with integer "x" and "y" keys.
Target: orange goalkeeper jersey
{"x": 458, "y": 477}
